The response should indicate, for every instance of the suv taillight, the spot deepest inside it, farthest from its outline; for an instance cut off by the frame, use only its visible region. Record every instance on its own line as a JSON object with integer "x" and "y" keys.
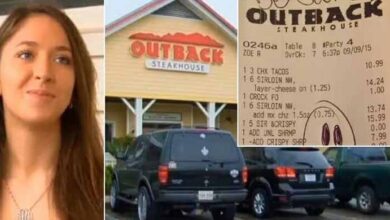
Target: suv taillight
{"x": 245, "y": 174}
{"x": 329, "y": 173}
{"x": 163, "y": 174}
{"x": 285, "y": 172}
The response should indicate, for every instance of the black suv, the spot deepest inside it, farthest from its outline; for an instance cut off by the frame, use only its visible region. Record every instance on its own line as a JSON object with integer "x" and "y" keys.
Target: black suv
{"x": 287, "y": 177}
{"x": 181, "y": 170}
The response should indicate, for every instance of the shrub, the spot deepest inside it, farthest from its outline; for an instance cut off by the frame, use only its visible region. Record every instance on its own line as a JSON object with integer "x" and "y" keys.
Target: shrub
{"x": 119, "y": 144}
{"x": 109, "y": 173}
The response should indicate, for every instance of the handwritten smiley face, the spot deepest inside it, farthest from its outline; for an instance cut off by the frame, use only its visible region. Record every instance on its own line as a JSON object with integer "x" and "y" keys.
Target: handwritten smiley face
{"x": 327, "y": 122}
{"x": 266, "y": 4}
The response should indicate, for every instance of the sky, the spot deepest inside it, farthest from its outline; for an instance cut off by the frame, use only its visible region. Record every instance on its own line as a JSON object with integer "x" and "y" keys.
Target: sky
{"x": 115, "y": 9}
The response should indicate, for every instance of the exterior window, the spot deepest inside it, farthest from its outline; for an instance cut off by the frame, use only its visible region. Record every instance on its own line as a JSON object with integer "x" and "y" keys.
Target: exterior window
{"x": 154, "y": 153}
{"x": 353, "y": 156}
{"x": 331, "y": 155}
{"x": 160, "y": 138}
{"x": 387, "y": 152}
{"x": 197, "y": 147}
{"x": 109, "y": 132}
{"x": 365, "y": 154}
{"x": 140, "y": 149}
{"x": 150, "y": 126}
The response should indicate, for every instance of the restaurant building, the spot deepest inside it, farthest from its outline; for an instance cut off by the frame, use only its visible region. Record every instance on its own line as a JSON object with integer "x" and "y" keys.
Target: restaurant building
{"x": 170, "y": 63}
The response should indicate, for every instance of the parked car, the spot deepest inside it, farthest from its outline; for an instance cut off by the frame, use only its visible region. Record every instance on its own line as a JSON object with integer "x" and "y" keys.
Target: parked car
{"x": 181, "y": 170}
{"x": 287, "y": 177}
{"x": 363, "y": 173}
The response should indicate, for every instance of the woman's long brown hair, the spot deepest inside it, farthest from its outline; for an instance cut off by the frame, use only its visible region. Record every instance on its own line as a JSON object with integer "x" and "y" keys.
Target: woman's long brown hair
{"x": 78, "y": 182}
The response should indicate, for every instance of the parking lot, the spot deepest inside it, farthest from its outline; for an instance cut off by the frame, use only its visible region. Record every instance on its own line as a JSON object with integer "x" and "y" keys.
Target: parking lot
{"x": 335, "y": 212}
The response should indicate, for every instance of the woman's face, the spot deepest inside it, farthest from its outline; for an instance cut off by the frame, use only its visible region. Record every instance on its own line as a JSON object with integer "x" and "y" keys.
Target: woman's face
{"x": 36, "y": 71}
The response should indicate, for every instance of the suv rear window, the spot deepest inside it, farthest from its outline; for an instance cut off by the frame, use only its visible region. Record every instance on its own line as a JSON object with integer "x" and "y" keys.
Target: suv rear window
{"x": 203, "y": 147}
{"x": 309, "y": 157}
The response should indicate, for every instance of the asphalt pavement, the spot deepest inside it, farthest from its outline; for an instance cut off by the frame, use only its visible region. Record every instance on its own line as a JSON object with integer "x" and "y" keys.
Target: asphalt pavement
{"x": 347, "y": 212}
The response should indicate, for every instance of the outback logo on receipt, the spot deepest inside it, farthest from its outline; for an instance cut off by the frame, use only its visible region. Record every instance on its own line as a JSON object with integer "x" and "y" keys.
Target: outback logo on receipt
{"x": 305, "y": 17}
{"x": 314, "y": 72}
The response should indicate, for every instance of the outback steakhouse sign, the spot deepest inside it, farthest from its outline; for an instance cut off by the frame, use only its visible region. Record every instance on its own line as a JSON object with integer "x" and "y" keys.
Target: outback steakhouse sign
{"x": 280, "y": 14}
{"x": 177, "y": 52}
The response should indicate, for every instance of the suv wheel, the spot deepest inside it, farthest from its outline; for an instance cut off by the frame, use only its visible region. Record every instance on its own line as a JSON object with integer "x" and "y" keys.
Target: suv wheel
{"x": 116, "y": 204}
{"x": 260, "y": 203}
{"x": 314, "y": 211}
{"x": 367, "y": 201}
{"x": 227, "y": 213}
{"x": 147, "y": 208}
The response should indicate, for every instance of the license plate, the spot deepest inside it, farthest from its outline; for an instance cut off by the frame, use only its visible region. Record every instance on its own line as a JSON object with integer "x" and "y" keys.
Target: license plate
{"x": 206, "y": 195}
{"x": 310, "y": 177}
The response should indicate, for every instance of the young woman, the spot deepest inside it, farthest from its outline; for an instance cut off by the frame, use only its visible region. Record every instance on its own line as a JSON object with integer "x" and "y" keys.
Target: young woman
{"x": 51, "y": 154}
